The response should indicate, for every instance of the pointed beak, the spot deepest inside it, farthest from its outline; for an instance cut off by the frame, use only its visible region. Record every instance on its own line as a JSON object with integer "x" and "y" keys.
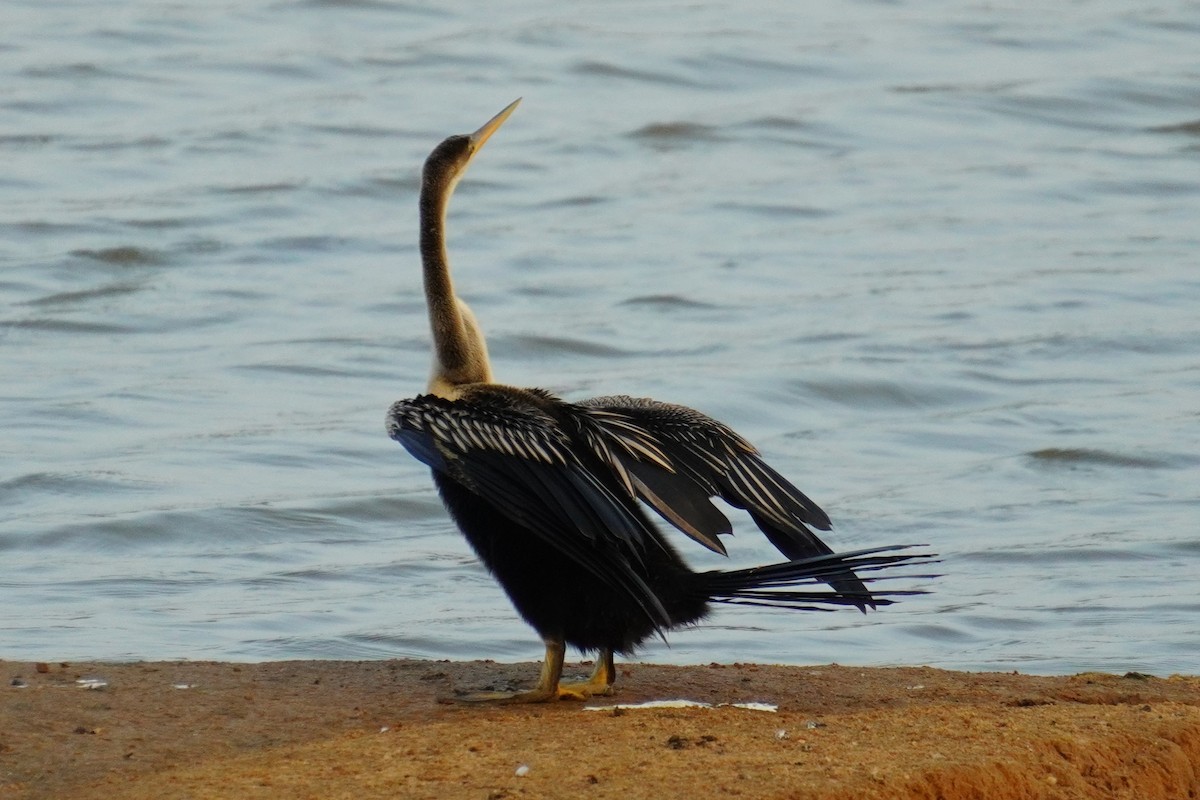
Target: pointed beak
{"x": 483, "y": 134}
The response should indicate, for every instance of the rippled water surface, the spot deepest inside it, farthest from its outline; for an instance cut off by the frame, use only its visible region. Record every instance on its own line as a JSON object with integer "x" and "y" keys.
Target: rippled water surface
{"x": 938, "y": 260}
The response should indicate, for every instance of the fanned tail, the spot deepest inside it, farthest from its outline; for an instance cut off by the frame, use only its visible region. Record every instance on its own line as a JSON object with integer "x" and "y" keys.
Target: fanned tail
{"x": 772, "y": 585}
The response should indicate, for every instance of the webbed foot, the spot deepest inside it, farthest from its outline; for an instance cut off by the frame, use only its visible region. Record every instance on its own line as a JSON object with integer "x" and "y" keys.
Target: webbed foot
{"x": 550, "y": 686}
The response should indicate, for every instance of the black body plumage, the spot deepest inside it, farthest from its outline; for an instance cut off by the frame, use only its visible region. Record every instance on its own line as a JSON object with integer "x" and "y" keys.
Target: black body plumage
{"x": 547, "y": 493}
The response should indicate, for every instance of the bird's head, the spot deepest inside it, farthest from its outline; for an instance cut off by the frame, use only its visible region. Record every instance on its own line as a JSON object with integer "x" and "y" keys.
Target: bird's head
{"x": 449, "y": 160}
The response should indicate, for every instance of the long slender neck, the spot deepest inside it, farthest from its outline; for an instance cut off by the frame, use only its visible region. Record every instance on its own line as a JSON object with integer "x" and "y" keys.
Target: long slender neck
{"x": 460, "y": 352}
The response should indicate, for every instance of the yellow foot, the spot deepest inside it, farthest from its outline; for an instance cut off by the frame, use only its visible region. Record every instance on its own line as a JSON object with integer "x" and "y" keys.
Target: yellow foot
{"x": 582, "y": 690}
{"x": 549, "y": 687}
{"x": 599, "y": 684}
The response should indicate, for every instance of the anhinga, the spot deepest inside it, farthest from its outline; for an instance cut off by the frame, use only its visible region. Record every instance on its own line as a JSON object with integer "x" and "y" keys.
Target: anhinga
{"x": 547, "y": 492}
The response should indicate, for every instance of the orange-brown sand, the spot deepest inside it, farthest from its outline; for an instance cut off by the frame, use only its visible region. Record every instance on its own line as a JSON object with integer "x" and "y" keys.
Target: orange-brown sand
{"x": 324, "y": 729}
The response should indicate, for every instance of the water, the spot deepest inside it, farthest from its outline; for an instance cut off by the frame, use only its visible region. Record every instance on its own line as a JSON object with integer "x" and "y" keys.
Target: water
{"x": 938, "y": 262}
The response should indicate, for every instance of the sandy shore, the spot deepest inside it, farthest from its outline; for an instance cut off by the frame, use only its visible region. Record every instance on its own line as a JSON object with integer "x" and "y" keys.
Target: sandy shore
{"x": 325, "y": 729}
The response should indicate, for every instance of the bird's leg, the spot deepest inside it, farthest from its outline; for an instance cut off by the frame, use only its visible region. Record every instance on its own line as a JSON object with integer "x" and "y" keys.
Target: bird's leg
{"x": 600, "y": 682}
{"x": 547, "y": 688}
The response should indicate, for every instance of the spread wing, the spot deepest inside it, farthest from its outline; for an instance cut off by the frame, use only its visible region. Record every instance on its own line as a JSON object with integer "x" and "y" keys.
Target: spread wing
{"x": 675, "y": 459}
{"x": 517, "y": 458}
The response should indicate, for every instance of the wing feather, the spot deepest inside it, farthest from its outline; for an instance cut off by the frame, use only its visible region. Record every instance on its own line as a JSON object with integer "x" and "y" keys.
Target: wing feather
{"x": 515, "y": 456}
{"x": 693, "y": 455}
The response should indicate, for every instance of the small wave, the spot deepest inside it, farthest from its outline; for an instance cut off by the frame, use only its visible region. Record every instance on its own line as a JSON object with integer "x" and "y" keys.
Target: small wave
{"x": 1069, "y": 556}
{"x": 315, "y": 244}
{"x": 307, "y": 370}
{"x": 676, "y": 133}
{"x": 66, "y": 298}
{"x": 776, "y": 210}
{"x": 954, "y": 88}
{"x": 27, "y": 139}
{"x": 562, "y": 345}
{"x": 1084, "y": 456}
{"x": 125, "y": 256}
{"x": 63, "y": 484}
{"x": 1191, "y": 128}
{"x": 261, "y": 188}
{"x": 135, "y": 143}
{"x": 357, "y": 131}
{"x": 69, "y": 326}
{"x": 166, "y": 223}
{"x": 605, "y": 70}
{"x": 666, "y": 302}
{"x": 872, "y": 394}
{"x": 776, "y": 123}
{"x": 575, "y": 201}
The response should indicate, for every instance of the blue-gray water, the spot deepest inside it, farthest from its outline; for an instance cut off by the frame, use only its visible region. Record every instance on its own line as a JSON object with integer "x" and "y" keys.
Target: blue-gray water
{"x": 938, "y": 260}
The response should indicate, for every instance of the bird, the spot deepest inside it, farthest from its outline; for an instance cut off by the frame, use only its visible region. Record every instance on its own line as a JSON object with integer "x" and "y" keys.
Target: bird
{"x": 553, "y": 495}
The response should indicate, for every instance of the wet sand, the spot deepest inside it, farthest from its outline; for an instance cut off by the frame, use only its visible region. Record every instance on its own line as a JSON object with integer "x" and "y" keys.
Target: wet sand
{"x": 325, "y": 729}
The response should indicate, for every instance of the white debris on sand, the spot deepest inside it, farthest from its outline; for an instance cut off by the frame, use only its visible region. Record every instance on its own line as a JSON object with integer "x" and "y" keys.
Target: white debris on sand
{"x": 683, "y": 704}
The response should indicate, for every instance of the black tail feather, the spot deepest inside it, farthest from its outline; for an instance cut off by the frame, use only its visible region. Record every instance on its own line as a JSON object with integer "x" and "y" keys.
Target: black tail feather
{"x": 756, "y": 585}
